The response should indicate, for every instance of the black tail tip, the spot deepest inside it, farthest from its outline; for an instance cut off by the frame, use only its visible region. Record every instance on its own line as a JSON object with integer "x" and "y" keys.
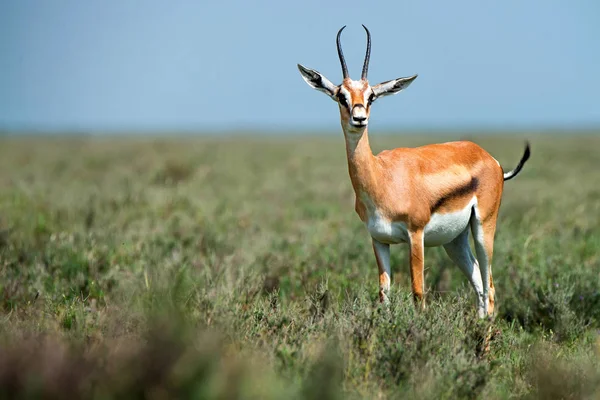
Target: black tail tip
{"x": 527, "y": 151}
{"x": 524, "y": 158}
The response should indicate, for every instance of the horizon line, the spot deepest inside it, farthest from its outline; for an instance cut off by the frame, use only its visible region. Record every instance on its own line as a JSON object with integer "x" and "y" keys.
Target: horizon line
{"x": 286, "y": 131}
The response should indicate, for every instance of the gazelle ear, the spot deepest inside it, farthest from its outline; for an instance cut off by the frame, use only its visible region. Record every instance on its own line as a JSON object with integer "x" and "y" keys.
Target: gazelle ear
{"x": 317, "y": 81}
{"x": 392, "y": 87}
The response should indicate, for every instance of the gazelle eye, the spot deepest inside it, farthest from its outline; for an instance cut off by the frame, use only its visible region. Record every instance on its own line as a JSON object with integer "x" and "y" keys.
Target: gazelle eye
{"x": 342, "y": 100}
{"x": 371, "y": 98}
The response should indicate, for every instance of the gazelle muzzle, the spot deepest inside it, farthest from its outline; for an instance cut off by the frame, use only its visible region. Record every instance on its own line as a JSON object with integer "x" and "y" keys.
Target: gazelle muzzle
{"x": 359, "y": 115}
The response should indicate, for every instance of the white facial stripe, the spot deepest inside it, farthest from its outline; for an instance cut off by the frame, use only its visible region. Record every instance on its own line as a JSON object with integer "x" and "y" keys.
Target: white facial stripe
{"x": 358, "y": 115}
{"x": 366, "y": 96}
{"x": 344, "y": 92}
{"x": 356, "y": 85}
{"x": 359, "y": 86}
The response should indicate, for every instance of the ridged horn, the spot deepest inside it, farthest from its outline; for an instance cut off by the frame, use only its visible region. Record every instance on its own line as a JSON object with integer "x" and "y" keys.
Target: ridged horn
{"x": 341, "y": 54}
{"x": 365, "y": 69}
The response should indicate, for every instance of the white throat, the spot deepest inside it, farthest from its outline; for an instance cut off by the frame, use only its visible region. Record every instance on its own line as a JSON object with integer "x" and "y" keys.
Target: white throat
{"x": 353, "y": 135}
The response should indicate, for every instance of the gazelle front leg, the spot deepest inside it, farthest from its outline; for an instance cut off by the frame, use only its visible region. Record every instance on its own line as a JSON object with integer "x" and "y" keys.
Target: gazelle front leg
{"x": 382, "y": 255}
{"x": 417, "y": 266}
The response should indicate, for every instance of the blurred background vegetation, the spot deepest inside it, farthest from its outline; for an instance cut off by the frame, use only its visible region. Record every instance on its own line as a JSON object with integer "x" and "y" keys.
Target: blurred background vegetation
{"x": 177, "y": 221}
{"x": 236, "y": 268}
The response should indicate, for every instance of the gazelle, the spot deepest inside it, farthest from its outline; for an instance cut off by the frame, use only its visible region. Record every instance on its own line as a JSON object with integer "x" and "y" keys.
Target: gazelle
{"x": 425, "y": 196}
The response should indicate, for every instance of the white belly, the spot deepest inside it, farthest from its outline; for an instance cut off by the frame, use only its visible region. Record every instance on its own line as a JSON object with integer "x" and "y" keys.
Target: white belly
{"x": 441, "y": 229}
{"x": 444, "y": 228}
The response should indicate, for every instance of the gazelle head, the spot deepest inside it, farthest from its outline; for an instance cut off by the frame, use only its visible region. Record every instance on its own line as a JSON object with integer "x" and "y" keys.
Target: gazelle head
{"x": 354, "y": 97}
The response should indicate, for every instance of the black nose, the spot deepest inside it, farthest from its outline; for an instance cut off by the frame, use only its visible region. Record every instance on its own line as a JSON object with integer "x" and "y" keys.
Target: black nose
{"x": 359, "y": 119}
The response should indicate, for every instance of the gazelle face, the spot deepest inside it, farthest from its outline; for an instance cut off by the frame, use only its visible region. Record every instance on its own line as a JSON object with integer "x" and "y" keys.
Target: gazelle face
{"x": 354, "y": 97}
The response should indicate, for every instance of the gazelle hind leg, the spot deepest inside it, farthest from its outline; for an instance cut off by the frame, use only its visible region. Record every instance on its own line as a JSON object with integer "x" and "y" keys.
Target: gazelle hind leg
{"x": 460, "y": 253}
{"x": 491, "y": 308}
{"x": 483, "y": 237}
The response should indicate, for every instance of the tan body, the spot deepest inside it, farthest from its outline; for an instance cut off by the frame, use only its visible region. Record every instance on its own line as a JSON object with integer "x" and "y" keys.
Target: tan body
{"x": 409, "y": 185}
{"x": 401, "y": 192}
{"x": 426, "y": 196}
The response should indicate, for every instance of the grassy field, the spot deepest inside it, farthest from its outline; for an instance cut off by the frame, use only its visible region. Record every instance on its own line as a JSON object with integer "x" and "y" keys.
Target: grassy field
{"x": 237, "y": 268}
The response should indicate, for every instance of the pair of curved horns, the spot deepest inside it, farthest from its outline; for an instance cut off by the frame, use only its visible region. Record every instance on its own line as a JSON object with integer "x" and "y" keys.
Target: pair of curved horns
{"x": 365, "y": 69}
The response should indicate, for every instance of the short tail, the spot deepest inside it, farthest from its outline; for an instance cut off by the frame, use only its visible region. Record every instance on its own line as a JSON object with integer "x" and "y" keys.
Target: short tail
{"x": 511, "y": 174}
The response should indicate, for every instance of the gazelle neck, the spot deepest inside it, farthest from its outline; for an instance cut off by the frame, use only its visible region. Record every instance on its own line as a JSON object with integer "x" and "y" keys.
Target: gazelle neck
{"x": 361, "y": 161}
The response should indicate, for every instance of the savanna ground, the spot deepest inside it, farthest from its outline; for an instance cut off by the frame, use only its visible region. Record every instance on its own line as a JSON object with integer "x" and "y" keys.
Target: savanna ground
{"x": 237, "y": 268}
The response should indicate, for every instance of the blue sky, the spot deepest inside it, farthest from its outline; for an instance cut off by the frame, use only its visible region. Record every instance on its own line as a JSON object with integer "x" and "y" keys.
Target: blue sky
{"x": 205, "y": 65}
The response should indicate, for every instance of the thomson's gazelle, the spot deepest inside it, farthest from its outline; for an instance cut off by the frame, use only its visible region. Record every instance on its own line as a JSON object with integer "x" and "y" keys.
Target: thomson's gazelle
{"x": 425, "y": 196}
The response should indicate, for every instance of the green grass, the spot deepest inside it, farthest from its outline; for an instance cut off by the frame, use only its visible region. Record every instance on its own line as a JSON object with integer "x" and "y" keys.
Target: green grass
{"x": 237, "y": 268}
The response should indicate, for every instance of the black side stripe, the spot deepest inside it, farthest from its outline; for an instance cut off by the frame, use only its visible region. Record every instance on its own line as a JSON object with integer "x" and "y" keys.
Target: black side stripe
{"x": 467, "y": 188}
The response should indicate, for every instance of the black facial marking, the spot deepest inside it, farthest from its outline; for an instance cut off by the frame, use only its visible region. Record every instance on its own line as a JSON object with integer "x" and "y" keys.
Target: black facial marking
{"x": 342, "y": 99}
{"x": 371, "y": 99}
{"x": 469, "y": 187}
